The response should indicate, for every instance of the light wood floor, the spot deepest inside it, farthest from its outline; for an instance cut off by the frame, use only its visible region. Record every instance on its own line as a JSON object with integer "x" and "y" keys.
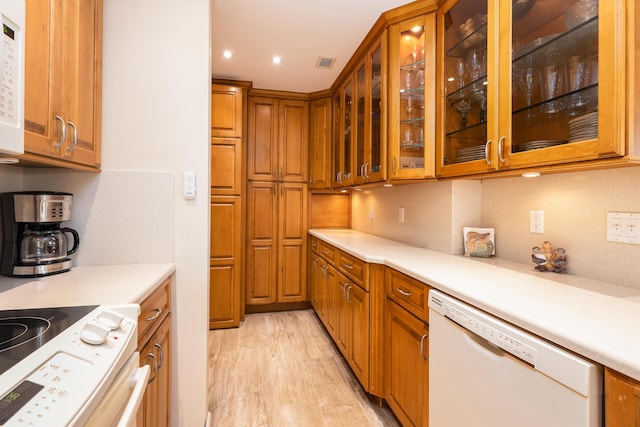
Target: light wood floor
{"x": 281, "y": 369}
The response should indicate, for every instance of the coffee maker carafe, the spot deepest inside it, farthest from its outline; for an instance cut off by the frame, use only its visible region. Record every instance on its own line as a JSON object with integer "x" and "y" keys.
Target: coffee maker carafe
{"x": 34, "y": 242}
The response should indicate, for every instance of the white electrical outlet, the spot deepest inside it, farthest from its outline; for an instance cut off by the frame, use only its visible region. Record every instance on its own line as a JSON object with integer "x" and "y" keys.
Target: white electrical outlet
{"x": 401, "y": 214}
{"x": 536, "y": 221}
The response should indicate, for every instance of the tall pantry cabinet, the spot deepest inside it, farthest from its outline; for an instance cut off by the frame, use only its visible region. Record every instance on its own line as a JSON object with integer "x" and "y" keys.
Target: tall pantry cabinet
{"x": 226, "y": 264}
{"x": 277, "y": 169}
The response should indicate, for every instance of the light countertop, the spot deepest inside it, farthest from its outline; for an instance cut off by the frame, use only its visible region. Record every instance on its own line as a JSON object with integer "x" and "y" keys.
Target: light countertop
{"x": 85, "y": 285}
{"x": 595, "y": 319}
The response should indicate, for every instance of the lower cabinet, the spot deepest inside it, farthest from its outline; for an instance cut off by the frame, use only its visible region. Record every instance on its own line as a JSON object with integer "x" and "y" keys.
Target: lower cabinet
{"x": 407, "y": 366}
{"x": 154, "y": 346}
{"x": 157, "y": 399}
{"x": 622, "y": 400}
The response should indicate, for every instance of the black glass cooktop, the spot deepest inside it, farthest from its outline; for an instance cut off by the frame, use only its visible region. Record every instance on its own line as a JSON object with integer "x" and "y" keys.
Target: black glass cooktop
{"x": 24, "y": 331}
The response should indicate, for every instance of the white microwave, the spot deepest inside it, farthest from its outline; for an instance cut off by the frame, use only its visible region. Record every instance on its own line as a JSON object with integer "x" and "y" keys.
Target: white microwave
{"x": 12, "y": 19}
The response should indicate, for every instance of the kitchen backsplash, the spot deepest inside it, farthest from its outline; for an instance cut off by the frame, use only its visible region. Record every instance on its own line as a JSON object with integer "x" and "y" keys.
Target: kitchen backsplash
{"x": 575, "y": 209}
{"x": 123, "y": 217}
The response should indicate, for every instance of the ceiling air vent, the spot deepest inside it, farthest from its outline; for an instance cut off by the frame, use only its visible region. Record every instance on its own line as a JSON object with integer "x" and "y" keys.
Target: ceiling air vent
{"x": 325, "y": 62}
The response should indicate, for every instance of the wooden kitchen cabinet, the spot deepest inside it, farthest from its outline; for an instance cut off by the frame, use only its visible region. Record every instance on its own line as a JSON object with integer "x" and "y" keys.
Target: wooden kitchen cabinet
{"x": 276, "y": 242}
{"x": 320, "y": 143}
{"x": 63, "y": 90}
{"x": 225, "y": 268}
{"x": 407, "y": 366}
{"x": 622, "y": 400}
{"x": 343, "y": 135}
{"x": 227, "y": 186}
{"x": 348, "y": 296}
{"x": 525, "y": 85}
{"x": 227, "y": 110}
{"x": 412, "y": 67}
{"x": 154, "y": 345}
{"x": 278, "y": 139}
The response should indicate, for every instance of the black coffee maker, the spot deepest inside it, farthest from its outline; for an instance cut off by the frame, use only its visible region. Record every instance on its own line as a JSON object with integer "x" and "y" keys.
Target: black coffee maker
{"x": 33, "y": 242}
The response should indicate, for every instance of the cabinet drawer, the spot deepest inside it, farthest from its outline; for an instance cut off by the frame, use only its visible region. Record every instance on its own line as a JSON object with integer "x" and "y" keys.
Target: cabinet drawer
{"x": 353, "y": 268}
{"x": 328, "y": 252}
{"x": 410, "y": 293}
{"x": 154, "y": 308}
{"x": 315, "y": 245}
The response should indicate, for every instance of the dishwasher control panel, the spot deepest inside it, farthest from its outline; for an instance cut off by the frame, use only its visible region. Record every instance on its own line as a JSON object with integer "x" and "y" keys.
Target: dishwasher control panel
{"x": 500, "y": 338}
{"x": 495, "y": 332}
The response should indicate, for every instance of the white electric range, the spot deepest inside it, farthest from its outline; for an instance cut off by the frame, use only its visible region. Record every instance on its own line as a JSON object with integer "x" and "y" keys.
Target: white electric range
{"x": 70, "y": 366}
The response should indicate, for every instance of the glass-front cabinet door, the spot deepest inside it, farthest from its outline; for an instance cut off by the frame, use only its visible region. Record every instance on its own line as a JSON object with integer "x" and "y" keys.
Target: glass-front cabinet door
{"x": 529, "y": 83}
{"x": 343, "y": 139}
{"x": 412, "y": 98}
{"x": 371, "y": 119}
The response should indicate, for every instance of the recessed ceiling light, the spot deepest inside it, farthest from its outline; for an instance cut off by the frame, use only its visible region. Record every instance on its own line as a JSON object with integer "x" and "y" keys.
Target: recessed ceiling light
{"x": 227, "y": 54}
{"x": 276, "y": 59}
{"x": 416, "y": 29}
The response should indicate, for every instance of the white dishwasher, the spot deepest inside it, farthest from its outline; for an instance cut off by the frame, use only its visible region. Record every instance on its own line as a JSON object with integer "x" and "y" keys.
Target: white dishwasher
{"x": 485, "y": 372}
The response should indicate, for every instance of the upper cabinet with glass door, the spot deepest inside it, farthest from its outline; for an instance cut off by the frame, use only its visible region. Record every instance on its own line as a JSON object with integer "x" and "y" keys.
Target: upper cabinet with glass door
{"x": 530, "y": 83}
{"x": 412, "y": 98}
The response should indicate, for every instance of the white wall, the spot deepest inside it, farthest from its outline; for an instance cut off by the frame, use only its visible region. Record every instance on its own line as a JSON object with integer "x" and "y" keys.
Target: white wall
{"x": 575, "y": 207}
{"x": 156, "y": 114}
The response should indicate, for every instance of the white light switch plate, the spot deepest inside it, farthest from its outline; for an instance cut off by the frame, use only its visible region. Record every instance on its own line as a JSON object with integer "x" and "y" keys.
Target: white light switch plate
{"x": 623, "y": 227}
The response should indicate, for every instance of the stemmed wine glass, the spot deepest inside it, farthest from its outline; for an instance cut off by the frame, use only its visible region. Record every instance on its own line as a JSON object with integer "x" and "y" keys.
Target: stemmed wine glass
{"x": 409, "y": 106}
{"x": 529, "y": 83}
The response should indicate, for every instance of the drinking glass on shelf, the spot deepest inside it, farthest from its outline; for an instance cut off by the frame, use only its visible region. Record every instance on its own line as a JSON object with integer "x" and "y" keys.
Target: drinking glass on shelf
{"x": 420, "y": 77}
{"x": 554, "y": 86}
{"x": 407, "y": 80}
{"x": 474, "y": 64}
{"x": 409, "y": 107}
{"x": 463, "y": 106}
{"x": 408, "y": 138}
{"x": 529, "y": 84}
{"x": 578, "y": 79}
{"x": 461, "y": 72}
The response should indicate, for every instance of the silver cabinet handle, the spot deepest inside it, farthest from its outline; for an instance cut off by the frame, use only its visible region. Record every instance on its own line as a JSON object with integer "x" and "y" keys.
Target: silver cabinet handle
{"x": 326, "y": 252}
{"x": 349, "y": 300}
{"x": 156, "y": 314}
{"x": 403, "y": 292}
{"x": 424, "y": 337}
{"x": 500, "y": 148}
{"x": 486, "y": 152}
{"x": 159, "y": 347}
{"x": 75, "y": 137}
{"x": 63, "y": 132}
{"x": 155, "y": 367}
{"x": 315, "y": 264}
{"x": 367, "y": 170}
{"x": 324, "y": 271}
{"x": 347, "y": 266}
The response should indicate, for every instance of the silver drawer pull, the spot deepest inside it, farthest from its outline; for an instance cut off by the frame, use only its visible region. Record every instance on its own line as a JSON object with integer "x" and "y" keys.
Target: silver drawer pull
{"x": 326, "y": 252}
{"x": 155, "y": 367}
{"x": 156, "y": 314}
{"x": 348, "y": 266}
{"x": 403, "y": 292}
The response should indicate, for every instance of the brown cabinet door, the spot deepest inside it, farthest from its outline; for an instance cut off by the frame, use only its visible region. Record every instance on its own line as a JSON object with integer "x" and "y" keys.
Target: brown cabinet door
{"x": 226, "y": 111}
{"x": 157, "y": 399}
{"x": 292, "y": 240}
{"x": 407, "y": 367}
{"x": 262, "y": 147}
{"x": 320, "y": 144}
{"x": 293, "y": 140}
{"x": 358, "y": 301}
{"x": 333, "y": 292}
{"x": 622, "y": 400}
{"x": 225, "y": 278}
{"x": 226, "y": 166}
{"x": 343, "y": 327}
{"x": 63, "y": 58}
{"x": 262, "y": 234}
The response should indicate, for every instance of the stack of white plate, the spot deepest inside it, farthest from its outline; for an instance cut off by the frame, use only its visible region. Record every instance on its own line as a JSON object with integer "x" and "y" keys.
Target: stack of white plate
{"x": 470, "y": 153}
{"x": 583, "y": 127}
{"x": 534, "y": 145}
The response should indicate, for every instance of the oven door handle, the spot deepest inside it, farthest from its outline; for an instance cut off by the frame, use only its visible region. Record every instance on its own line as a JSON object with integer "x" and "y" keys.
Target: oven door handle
{"x": 137, "y": 382}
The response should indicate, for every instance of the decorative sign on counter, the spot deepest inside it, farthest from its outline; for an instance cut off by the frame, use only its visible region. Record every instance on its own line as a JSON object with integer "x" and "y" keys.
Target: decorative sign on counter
{"x": 549, "y": 259}
{"x": 479, "y": 242}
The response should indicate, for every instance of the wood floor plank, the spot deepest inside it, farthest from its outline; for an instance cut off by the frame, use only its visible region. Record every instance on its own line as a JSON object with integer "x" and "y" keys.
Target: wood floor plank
{"x": 281, "y": 369}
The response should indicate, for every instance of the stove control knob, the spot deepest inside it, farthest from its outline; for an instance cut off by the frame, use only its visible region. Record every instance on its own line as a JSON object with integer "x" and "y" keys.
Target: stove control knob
{"x": 110, "y": 319}
{"x": 94, "y": 334}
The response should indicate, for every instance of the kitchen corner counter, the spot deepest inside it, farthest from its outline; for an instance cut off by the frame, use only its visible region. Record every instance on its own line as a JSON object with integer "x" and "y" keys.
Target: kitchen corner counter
{"x": 595, "y": 319}
{"x": 85, "y": 285}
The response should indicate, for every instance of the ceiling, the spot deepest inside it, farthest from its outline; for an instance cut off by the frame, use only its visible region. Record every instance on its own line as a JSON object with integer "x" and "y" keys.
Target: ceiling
{"x": 300, "y": 31}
